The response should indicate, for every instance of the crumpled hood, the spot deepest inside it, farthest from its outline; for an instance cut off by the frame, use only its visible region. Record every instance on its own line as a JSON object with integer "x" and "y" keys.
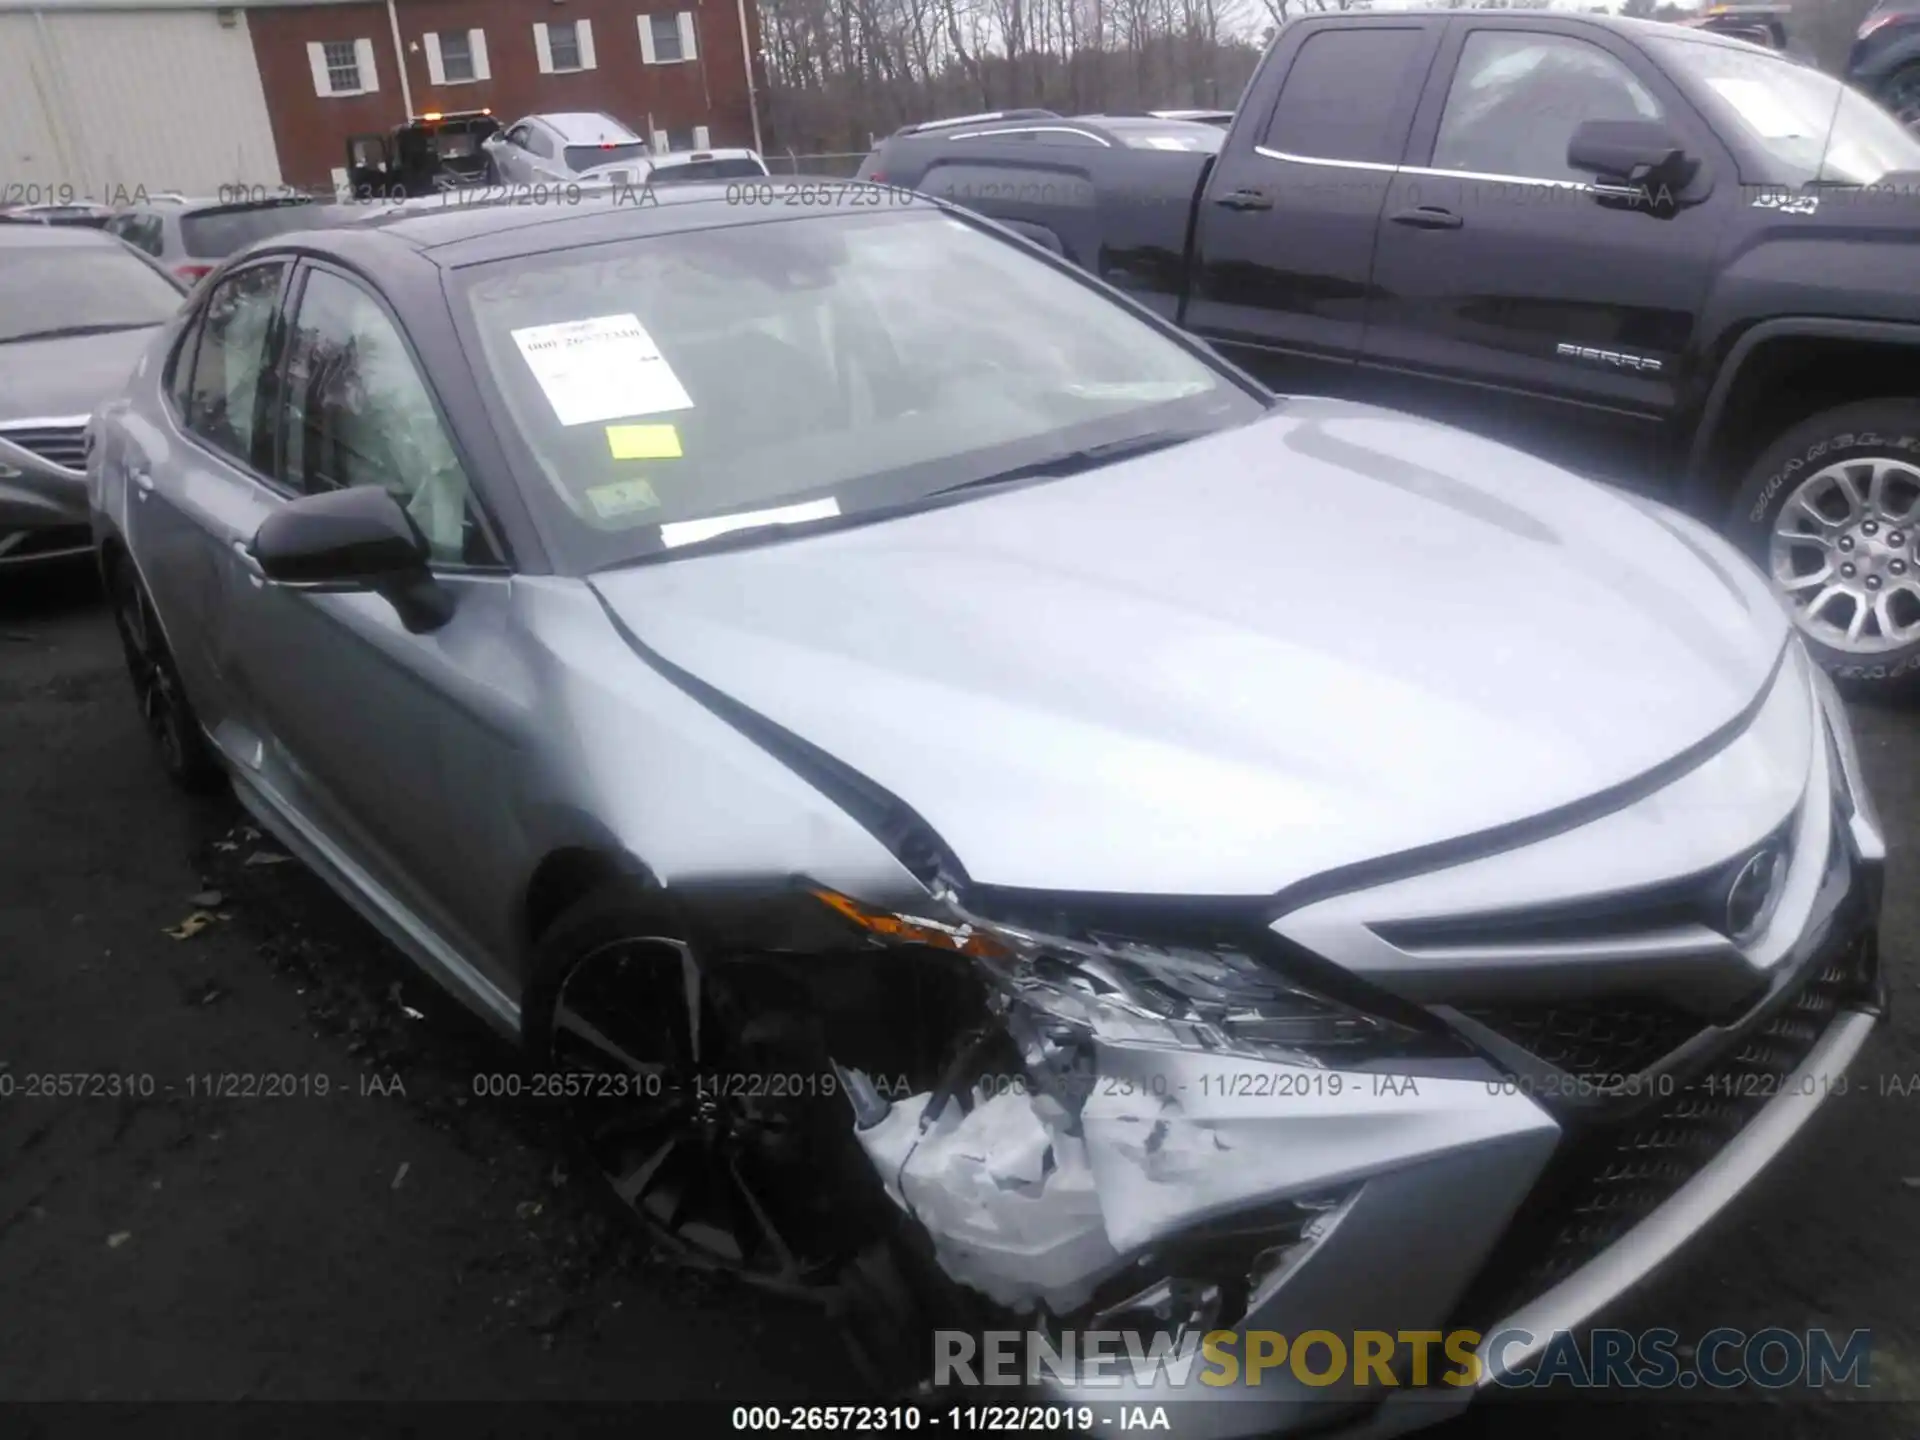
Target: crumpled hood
{"x": 1332, "y": 635}
{"x": 54, "y": 379}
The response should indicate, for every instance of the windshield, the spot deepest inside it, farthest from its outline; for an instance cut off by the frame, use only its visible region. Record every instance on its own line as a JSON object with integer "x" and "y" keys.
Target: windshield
{"x": 1813, "y": 129}
{"x": 216, "y": 234}
{"x": 838, "y": 363}
{"x": 734, "y": 168}
{"x": 72, "y": 288}
{"x": 586, "y": 157}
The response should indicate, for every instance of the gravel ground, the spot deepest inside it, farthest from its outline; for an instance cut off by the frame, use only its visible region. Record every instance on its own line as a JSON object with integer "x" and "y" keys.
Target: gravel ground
{"x": 402, "y": 1238}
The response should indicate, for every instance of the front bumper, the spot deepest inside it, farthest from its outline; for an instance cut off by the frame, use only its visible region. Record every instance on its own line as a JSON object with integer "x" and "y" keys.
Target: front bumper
{"x": 1479, "y": 1204}
{"x": 1438, "y": 1242}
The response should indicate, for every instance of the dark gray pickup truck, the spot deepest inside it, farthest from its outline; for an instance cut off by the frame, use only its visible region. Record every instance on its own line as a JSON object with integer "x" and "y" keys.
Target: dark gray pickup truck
{"x": 1664, "y": 256}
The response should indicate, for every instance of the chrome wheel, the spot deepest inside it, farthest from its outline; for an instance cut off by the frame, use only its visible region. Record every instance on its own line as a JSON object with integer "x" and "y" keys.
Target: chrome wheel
{"x": 708, "y": 1123}
{"x": 154, "y": 687}
{"x": 1843, "y": 552}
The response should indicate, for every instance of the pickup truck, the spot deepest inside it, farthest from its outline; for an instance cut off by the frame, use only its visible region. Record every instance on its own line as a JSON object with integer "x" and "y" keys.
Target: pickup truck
{"x": 1665, "y": 257}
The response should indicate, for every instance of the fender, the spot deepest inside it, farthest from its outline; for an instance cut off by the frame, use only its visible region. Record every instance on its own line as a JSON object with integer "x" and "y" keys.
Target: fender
{"x": 1697, "y": 484}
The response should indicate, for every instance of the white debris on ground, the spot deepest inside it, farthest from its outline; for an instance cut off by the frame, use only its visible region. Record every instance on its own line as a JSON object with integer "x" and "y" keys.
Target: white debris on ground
{"x": 1004, "y": 1191}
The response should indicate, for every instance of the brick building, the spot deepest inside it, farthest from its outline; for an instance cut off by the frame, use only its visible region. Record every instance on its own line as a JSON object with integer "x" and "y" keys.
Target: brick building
{"x": 103, "y": 96}
{"x": 676, "y": 74}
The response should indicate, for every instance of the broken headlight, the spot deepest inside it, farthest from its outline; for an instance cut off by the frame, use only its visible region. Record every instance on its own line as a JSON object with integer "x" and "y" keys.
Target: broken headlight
{"x": 1054, "y": 991}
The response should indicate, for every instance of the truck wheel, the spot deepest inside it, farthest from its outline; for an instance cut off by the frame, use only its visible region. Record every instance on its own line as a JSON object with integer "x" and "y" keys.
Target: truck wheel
{"x": 1831, "y": 511}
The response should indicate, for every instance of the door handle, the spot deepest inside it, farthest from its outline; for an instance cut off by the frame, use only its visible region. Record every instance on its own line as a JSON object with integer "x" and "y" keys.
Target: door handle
{"x": 1428, "y": 217}
{"x": 142, "y": 478}
{"x": 1246, "y": 200}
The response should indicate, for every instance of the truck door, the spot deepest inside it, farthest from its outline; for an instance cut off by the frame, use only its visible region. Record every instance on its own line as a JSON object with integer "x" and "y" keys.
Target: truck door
{"x": 1512, "y": 295}
{"x": 1283, "y": 244}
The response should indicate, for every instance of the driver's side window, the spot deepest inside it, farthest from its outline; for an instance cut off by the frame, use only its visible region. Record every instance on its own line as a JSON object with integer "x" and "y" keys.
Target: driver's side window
{"x": 1518, "y": 96}
{"x": 539, "y": 143}
{"x": 518, "y": 135}
{"x": 358, "y": 412}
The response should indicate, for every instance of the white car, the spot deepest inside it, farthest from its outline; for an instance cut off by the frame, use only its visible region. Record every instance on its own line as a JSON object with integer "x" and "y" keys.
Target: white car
{"x": 560, "y": 149}
{"x": 708, "y": 165}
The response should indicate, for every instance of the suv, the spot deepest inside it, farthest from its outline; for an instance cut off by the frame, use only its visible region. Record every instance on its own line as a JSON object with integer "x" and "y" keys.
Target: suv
{"x": 1885, "y": 61}
{"x": 191, "y": 236}
{"x": 562, "y": 149}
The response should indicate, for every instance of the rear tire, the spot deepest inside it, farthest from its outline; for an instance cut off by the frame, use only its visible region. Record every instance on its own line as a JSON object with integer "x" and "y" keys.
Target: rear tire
{"x": 185, "y": 754}
{"x": 1831, "y": 512}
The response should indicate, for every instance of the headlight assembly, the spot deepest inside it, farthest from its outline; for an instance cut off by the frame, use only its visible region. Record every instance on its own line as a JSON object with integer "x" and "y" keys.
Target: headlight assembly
{"x": 1056, "y": 993}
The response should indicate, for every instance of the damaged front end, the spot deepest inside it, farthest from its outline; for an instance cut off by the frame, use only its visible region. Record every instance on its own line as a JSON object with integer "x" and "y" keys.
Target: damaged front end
{"x": 1156, "y": 1142}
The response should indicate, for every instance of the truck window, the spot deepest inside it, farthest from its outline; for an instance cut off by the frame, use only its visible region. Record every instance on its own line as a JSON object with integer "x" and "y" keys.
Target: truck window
{"x": 1517, "y": 99}
{"x": 1343, "y": 93}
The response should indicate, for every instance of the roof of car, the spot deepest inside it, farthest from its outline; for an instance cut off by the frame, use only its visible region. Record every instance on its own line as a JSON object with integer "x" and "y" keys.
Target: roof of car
{"x": 453, "y": 233}
{"x": 580, "y": 127}
{"x": 31, "y": 234}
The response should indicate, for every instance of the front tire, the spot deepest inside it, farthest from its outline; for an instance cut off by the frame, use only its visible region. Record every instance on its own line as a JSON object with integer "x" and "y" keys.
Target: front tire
{"x": 697, "y": 1090}
{"x": 1831, "y": 512}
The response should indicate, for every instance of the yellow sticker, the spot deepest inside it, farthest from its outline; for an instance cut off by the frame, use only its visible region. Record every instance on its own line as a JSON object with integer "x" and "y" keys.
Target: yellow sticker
{"x": 644, "y": 442}
{"x": 622, "y": 497}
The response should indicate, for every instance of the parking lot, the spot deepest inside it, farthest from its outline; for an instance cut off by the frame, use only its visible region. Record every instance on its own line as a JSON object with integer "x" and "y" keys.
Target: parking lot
{"x": 402, "y": 1237}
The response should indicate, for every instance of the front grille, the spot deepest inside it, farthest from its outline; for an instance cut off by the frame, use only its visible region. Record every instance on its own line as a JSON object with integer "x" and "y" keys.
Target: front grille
{"x": 63, "y": 445}
{"x": 1611, "y": 1178}
{"x": 1598, "y": 1041}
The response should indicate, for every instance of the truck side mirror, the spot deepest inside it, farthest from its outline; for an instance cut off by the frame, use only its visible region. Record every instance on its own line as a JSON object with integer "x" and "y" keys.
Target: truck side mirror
{"x": 1640, "y": 155}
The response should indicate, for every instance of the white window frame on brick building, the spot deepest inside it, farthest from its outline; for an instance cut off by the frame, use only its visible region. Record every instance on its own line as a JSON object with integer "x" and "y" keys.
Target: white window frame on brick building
{"x": 326, "y": 59}
{"x": 684, "y": 38}
{"x": 543, "y": 44}
{"x": 438, "y": 54}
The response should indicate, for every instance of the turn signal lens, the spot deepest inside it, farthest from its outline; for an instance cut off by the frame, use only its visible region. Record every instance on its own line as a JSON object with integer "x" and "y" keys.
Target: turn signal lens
{"x": 912, "y": 930}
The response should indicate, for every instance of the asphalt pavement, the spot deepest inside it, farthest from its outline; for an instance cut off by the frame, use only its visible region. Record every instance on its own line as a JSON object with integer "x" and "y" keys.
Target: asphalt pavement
{"x": 295, "y": 1191}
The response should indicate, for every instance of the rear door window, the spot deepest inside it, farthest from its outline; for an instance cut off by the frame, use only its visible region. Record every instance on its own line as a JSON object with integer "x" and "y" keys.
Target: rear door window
{"x": 1349, "y": 95}
{"x": 231, "y": 399}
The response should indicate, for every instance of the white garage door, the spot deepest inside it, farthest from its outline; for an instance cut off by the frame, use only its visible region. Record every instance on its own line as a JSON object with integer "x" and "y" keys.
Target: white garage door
{"x": 114, "y": 101}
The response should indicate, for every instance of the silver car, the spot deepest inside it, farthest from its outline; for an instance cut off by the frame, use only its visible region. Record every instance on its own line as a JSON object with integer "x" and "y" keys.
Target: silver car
{"x": 971, "y": 804}
{"x": 561, "y": 148}
{"x": 77, "y": 309}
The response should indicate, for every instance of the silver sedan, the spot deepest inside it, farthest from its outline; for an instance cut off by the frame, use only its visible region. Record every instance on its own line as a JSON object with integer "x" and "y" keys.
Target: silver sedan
{"x": 972, "y": 805}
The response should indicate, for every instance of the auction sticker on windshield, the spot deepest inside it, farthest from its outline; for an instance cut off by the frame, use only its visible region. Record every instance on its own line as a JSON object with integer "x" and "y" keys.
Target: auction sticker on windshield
{"x": 599, "y": 369}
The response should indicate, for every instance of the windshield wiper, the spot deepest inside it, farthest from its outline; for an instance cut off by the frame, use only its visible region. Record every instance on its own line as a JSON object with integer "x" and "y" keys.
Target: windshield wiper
{"x": 65, "y": 332}
{"x": 1073, "y": 462}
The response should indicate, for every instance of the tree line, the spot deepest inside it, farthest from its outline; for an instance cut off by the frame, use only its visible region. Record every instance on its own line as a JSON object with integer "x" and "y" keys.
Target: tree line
{"x": 842, "y": 71}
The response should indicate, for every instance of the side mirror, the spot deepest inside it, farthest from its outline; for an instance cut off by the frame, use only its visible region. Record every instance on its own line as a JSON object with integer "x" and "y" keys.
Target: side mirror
{"x": 1641, "y": 154}
{"x": 358, "y": 539}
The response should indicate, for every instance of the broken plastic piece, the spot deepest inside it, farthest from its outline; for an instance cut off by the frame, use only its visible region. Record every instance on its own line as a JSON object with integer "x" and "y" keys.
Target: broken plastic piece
{"x": 870, "y": 1107}
{"x": 1008, "y": 1201}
